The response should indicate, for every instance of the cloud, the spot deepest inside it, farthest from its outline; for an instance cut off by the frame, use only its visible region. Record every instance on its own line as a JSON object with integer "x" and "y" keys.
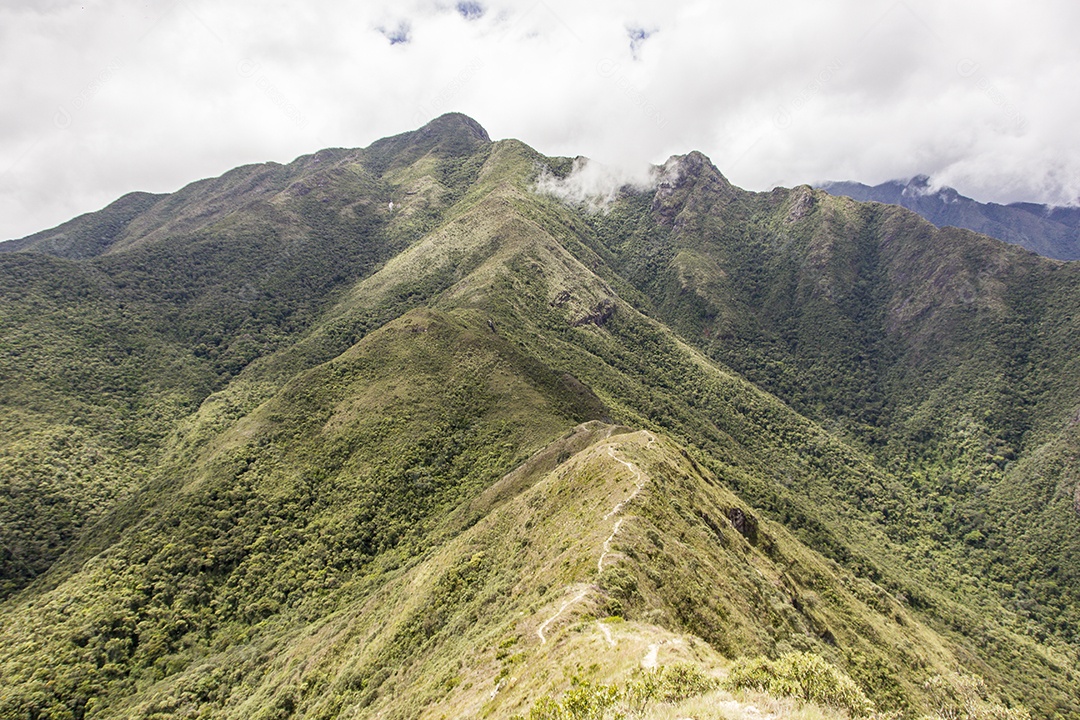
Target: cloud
{"x": 920, "y": 186}
{"x": 108, "y": 96}
{"x": 594, "y": 185}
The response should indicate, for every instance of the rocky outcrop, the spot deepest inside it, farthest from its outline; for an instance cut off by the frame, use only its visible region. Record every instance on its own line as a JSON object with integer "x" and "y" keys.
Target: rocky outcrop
{"x": 744, "y": 523}
{"x": 598, "y": 314}
{"x": 802, "y": 204}
{"x": 689, "y": 183}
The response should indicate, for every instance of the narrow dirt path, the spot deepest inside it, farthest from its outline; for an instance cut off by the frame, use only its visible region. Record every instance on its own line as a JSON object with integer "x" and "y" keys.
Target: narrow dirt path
{"x": 607, "y": 546}
{"x": 639, "y": 481}
{"x": 606, "y": 632}
{"x": 605, "y": 550}
{"x": 540, "y": 630}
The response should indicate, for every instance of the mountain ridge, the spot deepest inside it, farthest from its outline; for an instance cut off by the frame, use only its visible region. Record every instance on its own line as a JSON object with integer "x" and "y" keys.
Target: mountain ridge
{"x": 491, "y": 348}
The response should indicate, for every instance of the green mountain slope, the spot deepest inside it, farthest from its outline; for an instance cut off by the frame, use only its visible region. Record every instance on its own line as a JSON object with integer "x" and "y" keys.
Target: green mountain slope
{"x": 111, "y": 352}
{"x": 391, "y": 507}
{"x": 487, "y": 622}
{"x": 949, "y": 356}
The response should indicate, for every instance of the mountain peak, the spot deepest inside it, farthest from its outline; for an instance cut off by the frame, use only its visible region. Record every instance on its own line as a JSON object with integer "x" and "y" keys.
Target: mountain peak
{"x": 455, "y": 124}
{"x": 682, "y": 170}
{"x": 919, "y": 181}
{"x": 449, "y": 136}
{"x": 696, "y": 163}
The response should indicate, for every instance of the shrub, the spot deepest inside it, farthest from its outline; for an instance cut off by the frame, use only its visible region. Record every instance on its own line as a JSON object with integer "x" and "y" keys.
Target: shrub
{"x": 588, "y": 701}
{"x": 584, "y": 701}
{"x": 671, "y": 683}
{"x": 805, "y": 676}
{"x": 966, "y": 697}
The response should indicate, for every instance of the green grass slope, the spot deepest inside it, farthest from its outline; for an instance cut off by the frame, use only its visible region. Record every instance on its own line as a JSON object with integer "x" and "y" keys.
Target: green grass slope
{"x": 606, "y": 551}
{"x": 352, "y": 461}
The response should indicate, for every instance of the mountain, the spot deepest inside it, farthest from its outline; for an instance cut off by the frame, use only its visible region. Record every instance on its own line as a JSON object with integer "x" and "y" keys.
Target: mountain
{"x": 386, "y": 432}
{"x": 1053, "y": 232}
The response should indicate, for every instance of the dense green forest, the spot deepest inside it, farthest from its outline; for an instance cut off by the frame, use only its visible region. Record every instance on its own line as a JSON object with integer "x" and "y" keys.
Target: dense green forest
{"x": 391, "y": 433}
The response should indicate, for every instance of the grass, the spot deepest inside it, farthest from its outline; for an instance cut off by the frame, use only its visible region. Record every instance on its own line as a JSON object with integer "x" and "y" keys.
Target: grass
{"x": 722, "y": 705}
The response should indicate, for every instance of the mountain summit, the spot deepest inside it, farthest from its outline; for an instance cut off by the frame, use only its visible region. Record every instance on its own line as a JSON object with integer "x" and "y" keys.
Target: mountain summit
{"x": 447, "y": 136}
{"x": 388, "y": 432}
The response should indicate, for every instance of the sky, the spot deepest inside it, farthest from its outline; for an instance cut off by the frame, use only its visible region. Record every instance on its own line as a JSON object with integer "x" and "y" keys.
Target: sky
{"x": 103, "y": 97}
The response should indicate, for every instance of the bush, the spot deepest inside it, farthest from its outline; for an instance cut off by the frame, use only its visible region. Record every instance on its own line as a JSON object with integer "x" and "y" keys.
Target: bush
{"x": 588, "y": 701}
{"x": 805, "y": 676}
{"x": 584, "y": 701}
{"x": 671, "y": 684}
{"x": 966, "y": 697}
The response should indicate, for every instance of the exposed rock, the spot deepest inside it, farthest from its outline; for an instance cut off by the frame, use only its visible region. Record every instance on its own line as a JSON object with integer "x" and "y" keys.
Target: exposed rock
{"x": 561, "y": 299}
{"x": 598, "y": 314}
{"x": 802, "y": 204}
{"x": 745, "y": 524}
{"x": 688, "y": 181}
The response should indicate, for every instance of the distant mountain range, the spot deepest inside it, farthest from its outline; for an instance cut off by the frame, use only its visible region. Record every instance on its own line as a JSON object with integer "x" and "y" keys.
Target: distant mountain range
{"x": 1053, "y": 232}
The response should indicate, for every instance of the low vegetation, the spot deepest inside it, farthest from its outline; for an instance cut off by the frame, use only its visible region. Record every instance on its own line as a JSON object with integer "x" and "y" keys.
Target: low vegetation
{"x": 805, "y": 676}
{"x": 590, "y": 701}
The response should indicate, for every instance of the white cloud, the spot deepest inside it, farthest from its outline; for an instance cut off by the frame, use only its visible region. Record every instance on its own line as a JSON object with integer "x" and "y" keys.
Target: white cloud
{"x": 595, "y": 185}
{"x": 108, "y": 96}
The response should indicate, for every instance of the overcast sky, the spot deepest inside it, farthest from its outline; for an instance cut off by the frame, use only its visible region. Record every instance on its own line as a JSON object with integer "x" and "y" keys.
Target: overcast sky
{"x": 102, "y": 97}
